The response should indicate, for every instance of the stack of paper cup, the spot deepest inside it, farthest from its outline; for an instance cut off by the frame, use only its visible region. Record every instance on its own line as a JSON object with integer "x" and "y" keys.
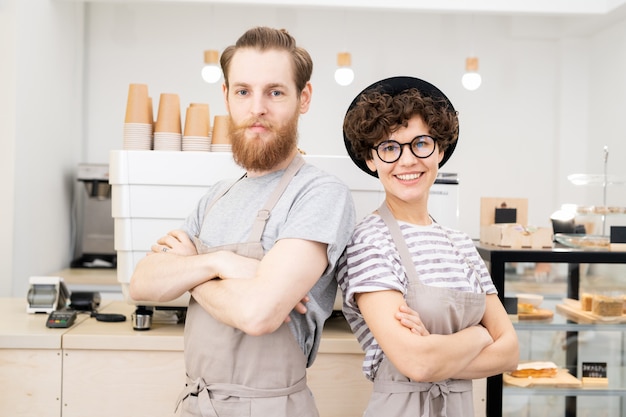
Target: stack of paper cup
{"x": 139, "y": 121}
{"x": 197, "y": 127}
{"x": 167, "y": 130}
{"x": 220, "y": 139}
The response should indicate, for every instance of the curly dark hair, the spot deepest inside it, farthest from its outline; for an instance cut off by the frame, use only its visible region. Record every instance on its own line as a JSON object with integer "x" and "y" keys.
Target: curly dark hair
{"x": 376, "y": 115}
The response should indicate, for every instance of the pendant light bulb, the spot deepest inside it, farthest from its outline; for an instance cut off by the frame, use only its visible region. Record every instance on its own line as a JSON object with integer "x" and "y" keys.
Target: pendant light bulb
{"x": 471, "y": 80}
{"x": 211, "y": 71}
{"x": 344, "y": 75}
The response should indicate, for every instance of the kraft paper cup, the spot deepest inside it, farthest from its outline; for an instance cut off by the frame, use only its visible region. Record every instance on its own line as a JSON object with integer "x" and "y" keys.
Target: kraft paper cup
{"x": 168, "y": 117}
{"x": 137, "y": 136}
{"x": 220, "y": 134}
{"x": 197, "y": 121}
{"x": 166, "y": 141}
{"x": 204, "y": 105}
{"x": 196, "y": 143}
{"x": 208, "y": 112}
{"x": 151, "y": 112}
{"x": 138, "y": 106}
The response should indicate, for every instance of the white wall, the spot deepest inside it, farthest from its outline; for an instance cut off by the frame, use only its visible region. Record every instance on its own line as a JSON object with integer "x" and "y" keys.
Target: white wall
{"x": 7, "y": 143}
{"x": 607, "y": 109}
{"x": 551, "y": 98}
{"x": 44, "y": 136}
{"x": 508, "y": 127}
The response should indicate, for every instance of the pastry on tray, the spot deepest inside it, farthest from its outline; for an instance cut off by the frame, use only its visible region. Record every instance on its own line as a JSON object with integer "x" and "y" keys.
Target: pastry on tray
{"x": 525, "y": 308}
{"x": 607, "y": 306}
{"x": 586, "y": 300}
{"x": 535, "y": 370}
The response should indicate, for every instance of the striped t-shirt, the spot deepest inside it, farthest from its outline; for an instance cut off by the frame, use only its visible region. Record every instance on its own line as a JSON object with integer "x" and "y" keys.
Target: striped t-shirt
{"x": 442, "y": 257}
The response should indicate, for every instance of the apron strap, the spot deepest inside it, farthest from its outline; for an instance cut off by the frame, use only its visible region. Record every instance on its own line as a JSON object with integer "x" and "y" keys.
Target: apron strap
{"x": 398, "y": 239}
{"x": 203, "y": 390}
{"x": 448, "y": 385}
{"x": 433, "y": 390}
{"x": 405, "y": 255}
{"x": 222, "y": 194}
{"x": 264, "y": 214}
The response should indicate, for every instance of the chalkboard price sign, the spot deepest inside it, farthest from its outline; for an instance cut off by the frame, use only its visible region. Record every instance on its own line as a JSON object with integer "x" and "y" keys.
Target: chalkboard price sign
{"x": 594, "y": 373}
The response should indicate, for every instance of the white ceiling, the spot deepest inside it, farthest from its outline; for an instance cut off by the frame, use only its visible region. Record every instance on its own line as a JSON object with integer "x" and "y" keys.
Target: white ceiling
{"x": 530, "y": 18}
{"x": 508, "y": 7}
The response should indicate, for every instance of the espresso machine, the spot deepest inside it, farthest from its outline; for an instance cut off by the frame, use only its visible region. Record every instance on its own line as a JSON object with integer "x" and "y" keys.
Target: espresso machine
{"x": 94, "y": 224}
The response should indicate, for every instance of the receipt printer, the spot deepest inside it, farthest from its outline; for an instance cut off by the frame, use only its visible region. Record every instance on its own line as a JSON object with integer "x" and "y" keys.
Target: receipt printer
{"x": 47, "y": 294}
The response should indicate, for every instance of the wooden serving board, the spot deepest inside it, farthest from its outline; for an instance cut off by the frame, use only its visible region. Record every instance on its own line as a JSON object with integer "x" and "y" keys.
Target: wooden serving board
{"x": 538, "y": 314}
{"x": 571, "y": 309}
{"x": 563, "y": 379}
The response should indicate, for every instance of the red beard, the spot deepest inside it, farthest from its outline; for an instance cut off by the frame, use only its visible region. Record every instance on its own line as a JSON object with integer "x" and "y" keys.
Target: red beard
{"x": 258, "y": 154}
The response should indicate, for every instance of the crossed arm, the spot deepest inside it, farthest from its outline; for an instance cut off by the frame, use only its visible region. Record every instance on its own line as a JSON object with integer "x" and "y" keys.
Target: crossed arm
{"x": 475, "y": 352}
{"x": 253, "y": 296}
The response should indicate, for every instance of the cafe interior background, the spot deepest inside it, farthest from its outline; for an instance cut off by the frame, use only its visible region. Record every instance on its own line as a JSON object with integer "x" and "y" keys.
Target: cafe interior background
{"x": 553, "y": 94}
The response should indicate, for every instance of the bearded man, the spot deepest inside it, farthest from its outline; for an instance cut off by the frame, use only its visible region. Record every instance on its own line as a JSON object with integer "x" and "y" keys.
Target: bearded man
{"x": 257, "y": 255}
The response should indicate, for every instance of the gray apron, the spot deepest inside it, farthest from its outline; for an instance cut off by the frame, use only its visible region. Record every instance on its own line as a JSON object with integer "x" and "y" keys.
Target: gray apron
{"x": 443, "y": 311}
{"x": 232, "y": 374}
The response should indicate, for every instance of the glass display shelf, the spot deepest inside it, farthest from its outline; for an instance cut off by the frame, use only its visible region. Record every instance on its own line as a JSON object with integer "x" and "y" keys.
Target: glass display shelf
{"x": 561, "y": 323}
{"x": 616, "y": 387}
{"x": 566, "y": 392}
{"x": 596, "y": 179}
{"x": 496, "y": 259}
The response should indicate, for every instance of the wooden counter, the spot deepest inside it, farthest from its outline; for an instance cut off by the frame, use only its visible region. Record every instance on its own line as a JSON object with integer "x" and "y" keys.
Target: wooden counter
{"x": 97, "y": 335}
{"x": 100, "y": 369}
{"x": 90, "y": 276}
{"x": 30, "y": 362}
{"x": 142, "y": 370}
{"x": 20, "y": 330}
{"x": 102, "y": 280}
{"x": 92, "y": 334}
{"x": 69, "y": 372}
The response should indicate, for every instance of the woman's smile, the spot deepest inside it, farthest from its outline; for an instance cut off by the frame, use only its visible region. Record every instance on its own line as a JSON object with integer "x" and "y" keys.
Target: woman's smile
{"x": 408, "y": 177}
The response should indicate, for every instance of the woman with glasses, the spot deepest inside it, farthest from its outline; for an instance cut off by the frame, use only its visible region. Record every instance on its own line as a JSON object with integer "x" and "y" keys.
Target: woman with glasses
{"x": 416, "y": 294}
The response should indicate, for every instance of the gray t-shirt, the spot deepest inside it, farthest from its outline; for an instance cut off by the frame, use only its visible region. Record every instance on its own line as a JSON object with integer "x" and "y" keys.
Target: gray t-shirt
{"x": 315, "y": 206}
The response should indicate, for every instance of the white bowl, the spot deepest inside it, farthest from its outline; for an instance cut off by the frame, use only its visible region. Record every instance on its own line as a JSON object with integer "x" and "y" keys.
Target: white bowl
{"x": 534, "y": 299}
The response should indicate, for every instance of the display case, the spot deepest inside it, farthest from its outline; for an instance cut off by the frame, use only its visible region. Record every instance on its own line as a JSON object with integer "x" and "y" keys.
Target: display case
{"x": 609, "y": 398}
{"x": 597, "y": 219}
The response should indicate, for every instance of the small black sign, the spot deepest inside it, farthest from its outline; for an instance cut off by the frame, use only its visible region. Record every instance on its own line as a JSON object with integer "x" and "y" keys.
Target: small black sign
{"x": 618, "y": 234}
{"x": 594, "y": 369}
{"x": 506, "y": 215}
{"x": 510, "y": 305}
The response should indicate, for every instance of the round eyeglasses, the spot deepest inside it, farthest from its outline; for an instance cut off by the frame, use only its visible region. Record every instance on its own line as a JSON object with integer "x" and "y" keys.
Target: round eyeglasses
{"x": 390, "y": 151}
